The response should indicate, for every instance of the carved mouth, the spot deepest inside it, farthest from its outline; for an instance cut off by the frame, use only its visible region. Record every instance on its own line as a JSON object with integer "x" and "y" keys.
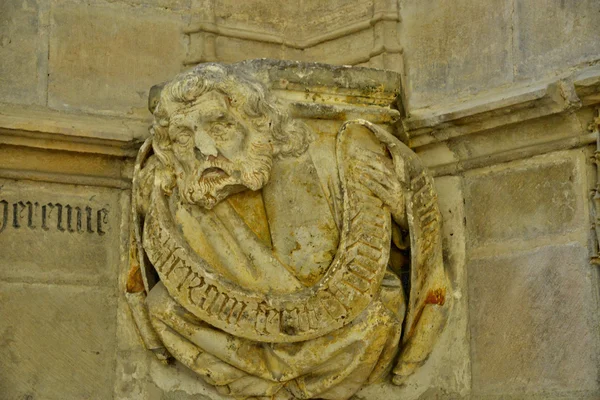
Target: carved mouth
{"x": 214, "y": 172}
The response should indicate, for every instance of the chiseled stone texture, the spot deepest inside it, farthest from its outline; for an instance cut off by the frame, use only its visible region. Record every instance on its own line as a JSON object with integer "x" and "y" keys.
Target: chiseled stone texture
{"x": 524, "y": 200}
{"x": 453, "y": 374}
{"x": 105, "y": 57}
{"x": 534, "y": 322}
{"x": 58, "y": 291}
{"x": 447, "y": 373}
{"x": 263, "y": 15}
{"x": 453, "y": 49}
{"x": 56, "y": 342}
{"x": 34, "y": 253}
{"x": 447, "y": 43}
{"x": 23, "y": 52}
{"x": 553, "y": 35}
{"x": 166, "y": 5}
{"x": 267, "y": 251}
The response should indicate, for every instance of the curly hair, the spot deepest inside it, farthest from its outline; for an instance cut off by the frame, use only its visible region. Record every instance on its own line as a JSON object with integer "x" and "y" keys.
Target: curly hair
{"x": 290, "y": 137}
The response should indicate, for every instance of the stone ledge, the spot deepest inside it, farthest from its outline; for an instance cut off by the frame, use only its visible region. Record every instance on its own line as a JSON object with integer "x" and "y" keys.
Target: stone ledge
{"x": 84, "y": 133}
{"x": 520, "y": 153}
{"x": 517, "y": 104}
{"x": 59, "y": 177}
{"x": 323, "y": 91}
{"x": 44, "y": 145}
{"x": 340, "y": 93}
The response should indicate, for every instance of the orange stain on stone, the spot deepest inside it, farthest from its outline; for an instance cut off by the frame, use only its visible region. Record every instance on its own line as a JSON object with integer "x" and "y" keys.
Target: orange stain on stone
{"x": 437, "y": 296}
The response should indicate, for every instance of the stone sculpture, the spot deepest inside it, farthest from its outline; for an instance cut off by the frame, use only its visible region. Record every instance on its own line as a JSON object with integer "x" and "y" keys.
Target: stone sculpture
{"x": 269, "y": 276}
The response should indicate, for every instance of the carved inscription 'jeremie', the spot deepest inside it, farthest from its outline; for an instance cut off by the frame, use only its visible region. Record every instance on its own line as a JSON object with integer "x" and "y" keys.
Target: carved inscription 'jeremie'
{"x": 53, "y": 216}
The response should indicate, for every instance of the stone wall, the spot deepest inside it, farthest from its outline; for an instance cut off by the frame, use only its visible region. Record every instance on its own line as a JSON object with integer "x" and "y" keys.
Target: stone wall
{"x": 99, "y": 57}
{"x": 500, "y": 100}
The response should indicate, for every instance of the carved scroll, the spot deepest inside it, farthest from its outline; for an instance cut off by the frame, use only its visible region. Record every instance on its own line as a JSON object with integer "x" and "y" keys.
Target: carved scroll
{"x": 347, "y": 288}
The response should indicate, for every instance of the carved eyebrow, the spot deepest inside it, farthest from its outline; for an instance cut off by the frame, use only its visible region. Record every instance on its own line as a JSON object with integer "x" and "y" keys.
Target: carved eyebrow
{"x": 178, "y": 123}
{"x": 214, "y": 115}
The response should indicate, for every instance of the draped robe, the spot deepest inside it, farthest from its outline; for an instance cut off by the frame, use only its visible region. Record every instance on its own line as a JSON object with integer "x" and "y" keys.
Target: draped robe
{"x": 278, "y": 240}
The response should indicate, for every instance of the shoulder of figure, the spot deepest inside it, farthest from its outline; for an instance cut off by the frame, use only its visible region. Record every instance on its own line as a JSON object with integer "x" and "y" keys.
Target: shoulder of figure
{"x": 144, "y": 184}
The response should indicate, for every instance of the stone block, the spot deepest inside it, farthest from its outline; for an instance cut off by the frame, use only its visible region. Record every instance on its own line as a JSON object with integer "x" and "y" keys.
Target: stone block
{"x": 524, "y": 200}
{"x": 447, "y": 372}
{"x": 454, "y": 366}
{"x": 170, "y": 5}
{"x": 131, "y": 370}
{"x": 104, "y": 58}
{"x": 553, "y": 35}
{"x": 294, "y": 21}
{"x": 534, "y": 322}
{"x": 446, "y": 54}
{"x": 327, "y": 16}
{"x": 56, "y": 342}
{"x": 59, "y": 233}
{"x": 345, "y": 50}
{"x": 233, "y": 49}
{"x": 515, "y": 136}
{"x": 23, "y": 53}
{"x": 256, "y": 16}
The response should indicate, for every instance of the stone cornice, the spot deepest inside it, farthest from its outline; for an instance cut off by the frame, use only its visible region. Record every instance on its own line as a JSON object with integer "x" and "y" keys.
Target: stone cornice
{"x": 84, "y": 133}
{"x": 513, "y": 154}
{"x": 46, "y": 145}
{"x": 50, "y": 146}
{"x": 517, "y": 104}
{"x": 425, "y": 130}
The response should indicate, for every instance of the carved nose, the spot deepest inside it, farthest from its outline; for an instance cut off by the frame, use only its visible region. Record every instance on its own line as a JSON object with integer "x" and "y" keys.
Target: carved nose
{"x": 205, "y": 144}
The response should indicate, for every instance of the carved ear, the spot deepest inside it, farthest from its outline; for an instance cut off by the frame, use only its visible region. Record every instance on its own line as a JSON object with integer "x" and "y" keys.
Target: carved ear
{"x": 154, "y": 96}
{"x": 293, "y": 139}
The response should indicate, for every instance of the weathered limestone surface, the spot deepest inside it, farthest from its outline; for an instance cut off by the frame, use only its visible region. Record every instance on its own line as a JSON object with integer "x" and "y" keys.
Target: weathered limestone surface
{"x": 60, "y": 255}
{"x": 440, "y": 59}
{"x": 503, "y": 204}
{"x": 23, "y": 51}
{"x": 533, "y": 322}
{"x": 58, "y": 340}
{"x": 81, "y": 226}
{"x": 133, "y": 49}
{"x": 532, "y": 293}
{"x": 573, "y": 40}
{"x": 499, "y": 101}
{"x": 444, "y": 51}
{"x": 263, "y": 257}
{"x": 471, "y": 47}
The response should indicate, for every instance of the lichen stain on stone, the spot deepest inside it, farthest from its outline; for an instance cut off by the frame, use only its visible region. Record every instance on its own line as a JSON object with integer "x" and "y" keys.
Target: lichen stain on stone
{"x": 437, "y": 296}
{"x": 135, "y": 283}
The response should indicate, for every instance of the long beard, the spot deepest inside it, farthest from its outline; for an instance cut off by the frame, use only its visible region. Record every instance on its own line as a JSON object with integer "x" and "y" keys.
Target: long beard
{"x": 252, "y": 172}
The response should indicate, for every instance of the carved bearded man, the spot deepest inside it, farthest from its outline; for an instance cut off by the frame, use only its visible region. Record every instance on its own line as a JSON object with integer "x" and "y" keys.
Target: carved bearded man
{"x": 266, "y": 259}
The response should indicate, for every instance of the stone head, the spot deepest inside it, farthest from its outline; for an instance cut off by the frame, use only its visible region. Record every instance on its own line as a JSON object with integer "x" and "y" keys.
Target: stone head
{"x": 217, "y": 130}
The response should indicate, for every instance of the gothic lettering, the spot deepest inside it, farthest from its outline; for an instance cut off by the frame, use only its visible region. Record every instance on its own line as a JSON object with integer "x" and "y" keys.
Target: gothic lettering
{"x": 88, "y": 213}
{"x": 4, "y": 205}
{"x": 30, "y": 213}
{"x": 52, "y": 217}
{"x": 101, "y": 219}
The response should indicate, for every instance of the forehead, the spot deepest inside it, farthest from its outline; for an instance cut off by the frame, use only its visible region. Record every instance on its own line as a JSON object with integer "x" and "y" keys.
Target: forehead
{"x": 210, "y": 106}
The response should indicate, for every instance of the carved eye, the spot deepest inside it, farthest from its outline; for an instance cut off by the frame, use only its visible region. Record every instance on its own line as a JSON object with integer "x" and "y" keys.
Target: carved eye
{"x": 183, "y": 139}
{"x": 222, "y": 130}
